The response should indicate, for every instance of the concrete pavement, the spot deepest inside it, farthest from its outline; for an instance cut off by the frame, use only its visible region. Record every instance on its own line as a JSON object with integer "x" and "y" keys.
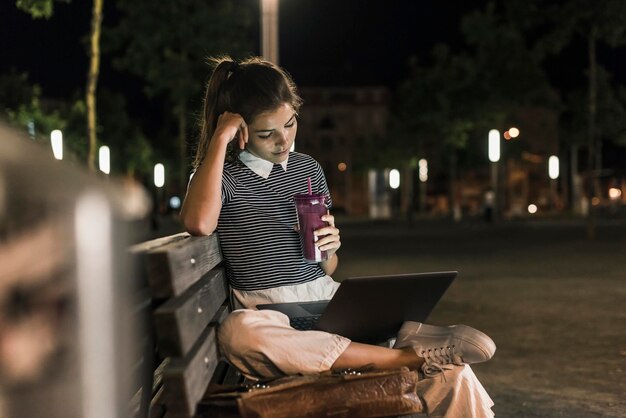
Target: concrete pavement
{"x": 554, "y": 303}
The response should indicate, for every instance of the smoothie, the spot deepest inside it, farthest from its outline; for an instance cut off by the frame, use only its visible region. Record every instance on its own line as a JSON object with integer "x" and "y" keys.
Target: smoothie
{"x": 311, "y": 208}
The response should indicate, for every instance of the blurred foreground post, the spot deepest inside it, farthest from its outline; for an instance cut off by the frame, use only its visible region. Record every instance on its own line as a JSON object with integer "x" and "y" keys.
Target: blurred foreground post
{"x": 66, "y": 327}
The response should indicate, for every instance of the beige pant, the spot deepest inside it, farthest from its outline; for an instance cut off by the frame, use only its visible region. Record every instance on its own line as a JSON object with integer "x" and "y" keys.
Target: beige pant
{"x": 262, "y": 344}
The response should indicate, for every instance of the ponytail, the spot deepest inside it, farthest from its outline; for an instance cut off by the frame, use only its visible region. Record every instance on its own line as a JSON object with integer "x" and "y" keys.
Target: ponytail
{"x": 223, "y": 68}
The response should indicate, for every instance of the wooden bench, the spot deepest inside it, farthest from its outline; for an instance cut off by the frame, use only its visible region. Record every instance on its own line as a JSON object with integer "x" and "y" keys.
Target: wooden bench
{"x": 186, "y": 296}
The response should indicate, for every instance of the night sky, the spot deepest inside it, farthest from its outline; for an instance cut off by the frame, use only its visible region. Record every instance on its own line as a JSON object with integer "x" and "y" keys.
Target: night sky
{"x": 322, "y": 42}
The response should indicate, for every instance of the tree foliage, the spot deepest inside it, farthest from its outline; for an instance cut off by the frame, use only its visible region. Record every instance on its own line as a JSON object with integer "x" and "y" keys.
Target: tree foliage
{"x": 44, "y": 9}
{"x": 24, "y": 106}
{"x": 21, "y": 105}
{"x": 447, "y": 105}
{"x": 166, "y": 43}
{"x": 38, "y": 9}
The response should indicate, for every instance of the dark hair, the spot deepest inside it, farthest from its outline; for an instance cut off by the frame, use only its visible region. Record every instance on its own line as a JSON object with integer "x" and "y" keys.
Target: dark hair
{"x": 249, "y": 88}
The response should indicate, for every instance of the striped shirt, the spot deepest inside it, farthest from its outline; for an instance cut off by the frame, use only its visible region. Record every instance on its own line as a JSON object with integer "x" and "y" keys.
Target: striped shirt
{"x": 256, "y": 223}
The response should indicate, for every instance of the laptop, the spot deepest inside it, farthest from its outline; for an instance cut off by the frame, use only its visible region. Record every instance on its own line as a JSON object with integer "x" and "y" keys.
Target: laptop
{"x": 370, "y": 309}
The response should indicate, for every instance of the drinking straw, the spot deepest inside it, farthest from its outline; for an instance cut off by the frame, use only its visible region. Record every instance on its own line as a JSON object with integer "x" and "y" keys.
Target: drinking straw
{"x": 308, "y": 181}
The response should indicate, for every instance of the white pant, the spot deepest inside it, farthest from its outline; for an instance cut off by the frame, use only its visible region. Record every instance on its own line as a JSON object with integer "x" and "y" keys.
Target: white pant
{"x": 262, "y": 344}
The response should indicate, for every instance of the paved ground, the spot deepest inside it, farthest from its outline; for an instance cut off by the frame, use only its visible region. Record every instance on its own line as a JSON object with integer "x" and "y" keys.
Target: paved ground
{"x": 554, "y": 303}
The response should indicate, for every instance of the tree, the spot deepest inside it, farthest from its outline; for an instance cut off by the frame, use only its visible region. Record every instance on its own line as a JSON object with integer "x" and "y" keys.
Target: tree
{"x": 92, "y": 80}
{"x": 21, "y": 105}
{"x": 131, "y": 153}
{"x": 26, "y": 107}
{"x": 447, "y": 107}
{"x": 166, "y": 43}
{"x": 586, "y": 24}
{"x": 44, "y": 9}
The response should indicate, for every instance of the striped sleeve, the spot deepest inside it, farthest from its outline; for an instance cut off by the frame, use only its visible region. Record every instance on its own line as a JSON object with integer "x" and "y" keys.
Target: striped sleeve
{"x": 229, "y": 186}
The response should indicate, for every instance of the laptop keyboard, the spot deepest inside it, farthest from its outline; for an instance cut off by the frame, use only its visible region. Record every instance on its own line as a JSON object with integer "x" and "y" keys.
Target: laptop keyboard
{"x": 304, "y": 323}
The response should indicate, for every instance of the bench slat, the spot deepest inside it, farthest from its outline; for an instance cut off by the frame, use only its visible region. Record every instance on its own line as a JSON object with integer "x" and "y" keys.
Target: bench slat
{"x": 181, "y": 320}
{"x": 143, "y": 247}
{"x": 176, "y": 265}
{"x": 186, "y": 378}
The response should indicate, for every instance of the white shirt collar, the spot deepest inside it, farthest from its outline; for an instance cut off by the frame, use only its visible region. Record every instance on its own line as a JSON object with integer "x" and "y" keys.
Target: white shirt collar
{"x": 258, "y": 165}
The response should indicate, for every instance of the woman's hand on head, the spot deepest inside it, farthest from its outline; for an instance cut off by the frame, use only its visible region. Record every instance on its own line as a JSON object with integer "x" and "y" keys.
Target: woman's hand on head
{"x": 329, "y": 240}
{"x": 230, "y": 127}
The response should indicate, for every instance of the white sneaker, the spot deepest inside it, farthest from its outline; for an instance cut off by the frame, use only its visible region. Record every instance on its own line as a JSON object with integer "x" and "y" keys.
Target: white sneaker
{"x": 440, "y": 346}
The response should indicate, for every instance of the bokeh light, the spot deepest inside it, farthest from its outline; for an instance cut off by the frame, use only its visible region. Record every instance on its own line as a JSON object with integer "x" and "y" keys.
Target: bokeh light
{"x": 175, "y": 202}
{"x": 614, "y": 193}
{"x": 394, "y": 179}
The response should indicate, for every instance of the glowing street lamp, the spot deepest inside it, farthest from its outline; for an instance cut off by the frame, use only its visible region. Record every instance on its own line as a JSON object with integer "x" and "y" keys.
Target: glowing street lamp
{"x": 494, "y": 157}
{"x": 422, "y": 165}
{"x": 394, "y": 179}
{"x": 56, "y": 140}
{"x": 494, "y": 145}
{"x": 104, "y": 159}
{"x": 553, "y": 173}
{"x": 159, "y": 175}
{"x": 553, "y": 167}
{"x": 423, "y": 169}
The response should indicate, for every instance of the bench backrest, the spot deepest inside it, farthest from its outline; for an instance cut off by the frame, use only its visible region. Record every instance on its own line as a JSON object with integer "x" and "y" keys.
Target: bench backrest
{"x": 189, "y": 295}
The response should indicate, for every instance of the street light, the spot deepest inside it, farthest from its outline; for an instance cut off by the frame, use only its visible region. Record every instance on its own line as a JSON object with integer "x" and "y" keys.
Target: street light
{"x": 104, "y": 159}
{"x": 394, "y": 179}
{"x": 159, "y": 175}
{"x": 494, "y": 157}
{"x": 269, "y": 30}
{"x": 494, "y": 145}
{"x": 553, "y": 173}
{"x": 56, "y": 140}
{"x": 159, "y": 181}
{"x": 422, "y": 165}
{"x": 423, "y": 170}
{"x": 269, "y": 35}
{"x": 553, "y": 167}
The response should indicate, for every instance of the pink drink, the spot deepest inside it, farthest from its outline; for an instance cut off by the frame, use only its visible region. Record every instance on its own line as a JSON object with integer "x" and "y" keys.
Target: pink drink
{"x": 311, "y": 208}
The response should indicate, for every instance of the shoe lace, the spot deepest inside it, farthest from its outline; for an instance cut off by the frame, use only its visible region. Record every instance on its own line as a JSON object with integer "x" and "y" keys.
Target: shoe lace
{"x": 438, "y": 359}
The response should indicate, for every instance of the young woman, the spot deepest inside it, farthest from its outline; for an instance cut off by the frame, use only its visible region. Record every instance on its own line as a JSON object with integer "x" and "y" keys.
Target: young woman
{"x": 243, "y": 185}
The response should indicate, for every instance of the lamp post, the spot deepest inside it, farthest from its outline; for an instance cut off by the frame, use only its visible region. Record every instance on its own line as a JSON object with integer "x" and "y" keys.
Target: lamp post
{"x": 494, "y": 157}
{"x": 104, "y": 159}
{"x": 553, "y": 173}
{"x": 159, "y": 181}
{"x": 422, "y": 165}
{"x": 56, "y": 140}
{"x": 269, "y": 30}
{"x": 159, "y": 175}
{"x": 269, "y": 35}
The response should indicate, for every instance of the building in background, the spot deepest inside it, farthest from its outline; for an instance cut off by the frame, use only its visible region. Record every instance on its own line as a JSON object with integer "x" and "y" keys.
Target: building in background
{"x": 341, "y": 126}
{"x": 334, "y": 125}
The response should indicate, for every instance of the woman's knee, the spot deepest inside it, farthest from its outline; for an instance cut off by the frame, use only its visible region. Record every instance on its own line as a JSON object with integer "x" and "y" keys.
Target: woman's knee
{"x": 245, "y": 330}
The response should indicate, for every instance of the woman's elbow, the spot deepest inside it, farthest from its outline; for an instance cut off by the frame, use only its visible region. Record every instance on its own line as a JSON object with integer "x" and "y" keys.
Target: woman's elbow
{"x": 196, "y": 226}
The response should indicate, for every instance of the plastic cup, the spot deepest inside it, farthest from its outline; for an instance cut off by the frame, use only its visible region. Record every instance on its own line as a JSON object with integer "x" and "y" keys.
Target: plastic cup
{"x": 311, "y": 208}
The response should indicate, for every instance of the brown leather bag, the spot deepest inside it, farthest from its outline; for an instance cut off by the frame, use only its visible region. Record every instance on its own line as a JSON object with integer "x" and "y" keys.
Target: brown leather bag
{"x": 346, "y": 394}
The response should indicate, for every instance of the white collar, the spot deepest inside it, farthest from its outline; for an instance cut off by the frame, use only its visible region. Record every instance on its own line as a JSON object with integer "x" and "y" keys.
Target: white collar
{"x": 260, "y": 166}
